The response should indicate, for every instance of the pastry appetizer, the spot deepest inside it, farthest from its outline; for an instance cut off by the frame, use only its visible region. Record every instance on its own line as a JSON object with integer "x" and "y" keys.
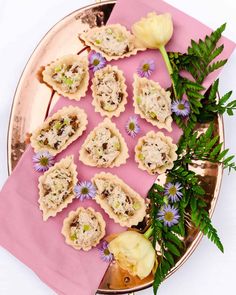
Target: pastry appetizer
{"x": 68, "y": 76}
{"x": 119, "y": 200}
{"x": 56, "y": 187}
{"x": 155, "y": 153}
{"x": 109, "y": 91}
{"x": 83, "y": 228}
{"x": 60, "y": 130}
{"x": 104, "y": 147}
{"x": 152, "y": 102}
{"x": 112, "y": 41}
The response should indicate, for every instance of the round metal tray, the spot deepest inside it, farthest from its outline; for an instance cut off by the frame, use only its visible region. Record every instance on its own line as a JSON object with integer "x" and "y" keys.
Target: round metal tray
{"x": 28, "y": 111}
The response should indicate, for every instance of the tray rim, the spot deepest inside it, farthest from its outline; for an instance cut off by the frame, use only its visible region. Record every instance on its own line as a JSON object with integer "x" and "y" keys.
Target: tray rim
{"x": 16, "y": 99}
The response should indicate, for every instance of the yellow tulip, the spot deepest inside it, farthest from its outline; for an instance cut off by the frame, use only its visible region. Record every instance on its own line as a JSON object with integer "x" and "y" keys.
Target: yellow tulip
{"x": 134, "y": 253}
{"x": 154, "y": 30}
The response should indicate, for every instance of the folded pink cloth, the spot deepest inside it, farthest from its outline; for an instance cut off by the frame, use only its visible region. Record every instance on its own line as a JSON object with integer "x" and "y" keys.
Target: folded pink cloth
{"x": 39, "y": 244}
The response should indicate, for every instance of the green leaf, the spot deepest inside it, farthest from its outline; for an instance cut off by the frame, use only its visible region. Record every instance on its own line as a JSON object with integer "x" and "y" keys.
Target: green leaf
{"x": 209, "y": 131}
{"x": 161, "y": 272}
{"x": 216, "y": 52}
{"x": 169, "y": 258}
{"x": 173, "y": 238}
{"x": 173, "y": 249}
{"x": 230, "y": 112}
{"x": 213, "y": 141}
{"x": 225, "y": 97}
{"x": 195, "y": 94}
{"x": 193, "y": 85}
{"x": 216, "y": 150}
{"x": 198, "y": 190}
{"x": 222, "y": 154}
{"x": 227, "y": 160}
{"x": 213, "y": 91}
{"x": 216, "y": 65}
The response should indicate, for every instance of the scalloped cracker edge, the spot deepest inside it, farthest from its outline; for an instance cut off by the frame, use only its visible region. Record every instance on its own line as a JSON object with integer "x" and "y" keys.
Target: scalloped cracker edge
{"x": 67, "y": 224}
{"x": 121, "y": 107}
{"x": 67, "y": 163}
{"x": 132, "y": 220}
{"x": 166, "y": 139}
{"x": 82, "y": 116}
{"x": 137, "y": 80}
{"x": 85, "y": 37}
{"x": 119, "y": 160}
{"x": 68, "y": 60}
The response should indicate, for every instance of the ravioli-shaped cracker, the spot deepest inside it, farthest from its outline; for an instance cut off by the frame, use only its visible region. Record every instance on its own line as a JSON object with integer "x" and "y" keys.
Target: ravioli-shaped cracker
{"x": 111, "y": 41}
{"x": 152, "y": 102}
{"x": 109, "y": 91}
{"x": 60, "y": 130}
{"x": 68, "y": 76}
{"x": 83, "y": 228}
{"x": 56, "y": 187}
{"x": 118, "y": 200}
{"x": 155, "y": 153}
{"x": 104, "y": 146}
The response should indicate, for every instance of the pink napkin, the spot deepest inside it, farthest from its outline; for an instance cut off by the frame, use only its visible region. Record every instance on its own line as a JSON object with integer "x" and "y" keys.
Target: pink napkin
{"x": 39, "y": 244}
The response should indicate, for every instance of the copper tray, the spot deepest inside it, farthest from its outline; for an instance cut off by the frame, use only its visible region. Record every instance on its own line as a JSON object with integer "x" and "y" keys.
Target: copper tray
{"x": 29, "y": 110}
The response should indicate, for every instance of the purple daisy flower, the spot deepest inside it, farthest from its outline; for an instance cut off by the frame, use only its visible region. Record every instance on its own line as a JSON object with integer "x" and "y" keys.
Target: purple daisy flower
{"x": 96, "y": 61}
{"x": 173, "y": 191}
{"x": 146, "y": 68}
{"x": 169, "y": 214}
{"x": 42, "y": 161}
{"x": 180, "y": 107}
{"x": 105, "y": 254}
{"x": 132, "y": 126}
{"x": 85, "y": 190}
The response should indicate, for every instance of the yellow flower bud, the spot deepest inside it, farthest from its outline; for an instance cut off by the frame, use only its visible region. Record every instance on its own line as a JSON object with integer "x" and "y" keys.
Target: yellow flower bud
{"x": 154, "y": 31}
{"x": 134, "y": 253}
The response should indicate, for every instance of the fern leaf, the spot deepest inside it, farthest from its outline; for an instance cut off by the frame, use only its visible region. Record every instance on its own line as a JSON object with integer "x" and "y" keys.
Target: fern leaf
{"x": 214, "y": 90}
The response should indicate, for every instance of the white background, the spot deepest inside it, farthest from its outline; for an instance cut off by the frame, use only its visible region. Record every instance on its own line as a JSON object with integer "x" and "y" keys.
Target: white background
{"x": 22, "y": 24}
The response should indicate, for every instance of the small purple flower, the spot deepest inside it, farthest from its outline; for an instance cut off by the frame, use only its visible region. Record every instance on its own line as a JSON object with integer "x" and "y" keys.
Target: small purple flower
{"x": 169, "y": 214}
{"x": 132, "y": 126}
{"x": 105, "y": 254}
{"x": 42, "y": 161}
{"x": 146, "y": 68}
{"x": 180, "y": 107}
{"x": 96, "y": 61}
{"x": 85, "y": 190}
{"x": 173, "y": 191}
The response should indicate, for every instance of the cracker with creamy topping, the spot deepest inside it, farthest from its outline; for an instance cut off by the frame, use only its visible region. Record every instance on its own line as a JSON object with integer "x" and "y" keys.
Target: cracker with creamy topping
{"x": 104, "y": 146}
{"x": 56, "y": 187}
{"x": 111, "y": 41}
{"x": 118, "y": 200}
{"x": 152, "y": 102}
{"x": 68, "y": 76}
{"x": 155, "y": 153}
{"x": 83, "y": 228}
{"x": 56, "y": 133}
{"x": 109, "y": 91}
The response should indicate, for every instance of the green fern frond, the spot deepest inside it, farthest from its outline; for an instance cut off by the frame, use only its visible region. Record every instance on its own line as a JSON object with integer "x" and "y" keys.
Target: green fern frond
{"x": 200, "y": 218}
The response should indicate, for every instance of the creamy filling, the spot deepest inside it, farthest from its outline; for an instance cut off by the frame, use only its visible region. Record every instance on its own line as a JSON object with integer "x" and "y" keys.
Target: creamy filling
{"x": 57, "y": 187}
{"x": 58, "y": 132}
{"x": 154, "y": 154}
{"x": 119, "y": 201}
{"x": 108, "y": 90}
{"x": 69, "y": 76}
{"x": 104, "y": 147}
{"x": 85, "y": 229}
{"x": 111, "y": 41}
{"x": 153, "y": 103}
